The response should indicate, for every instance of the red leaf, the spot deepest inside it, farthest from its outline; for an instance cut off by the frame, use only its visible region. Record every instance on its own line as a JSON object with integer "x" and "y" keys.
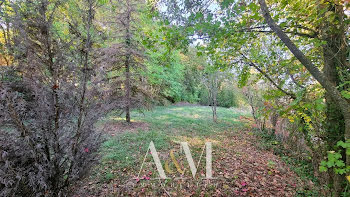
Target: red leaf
{"x": 55, "y": 86}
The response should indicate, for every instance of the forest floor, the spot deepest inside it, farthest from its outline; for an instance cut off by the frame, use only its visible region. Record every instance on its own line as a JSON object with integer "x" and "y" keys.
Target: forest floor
{"x": 241, "y": 164}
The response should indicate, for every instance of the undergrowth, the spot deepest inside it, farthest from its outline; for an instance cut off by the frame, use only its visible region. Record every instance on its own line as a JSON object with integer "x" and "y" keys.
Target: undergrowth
{"x": 302, "y": 167}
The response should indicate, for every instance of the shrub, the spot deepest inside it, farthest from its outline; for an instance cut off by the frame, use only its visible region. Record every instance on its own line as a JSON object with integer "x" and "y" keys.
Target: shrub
{"x": 49, "y": 106}
{"x": 227, "y": 97}
{"x": 204, "y": 96}
{"x": 42, "y": 152}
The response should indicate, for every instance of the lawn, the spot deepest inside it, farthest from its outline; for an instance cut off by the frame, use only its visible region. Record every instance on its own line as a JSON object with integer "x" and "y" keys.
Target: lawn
{"x": 239, "y": 167}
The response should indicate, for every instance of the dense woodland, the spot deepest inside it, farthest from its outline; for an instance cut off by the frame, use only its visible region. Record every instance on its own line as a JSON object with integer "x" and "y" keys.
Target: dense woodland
{"x": 66, "y": 65}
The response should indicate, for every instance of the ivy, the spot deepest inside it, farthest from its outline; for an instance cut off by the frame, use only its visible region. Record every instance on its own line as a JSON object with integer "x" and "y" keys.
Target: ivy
{"x": 334, "y": 159}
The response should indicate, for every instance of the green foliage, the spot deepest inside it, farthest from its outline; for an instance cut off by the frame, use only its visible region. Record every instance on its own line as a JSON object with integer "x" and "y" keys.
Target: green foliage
{"x": 173, "y": 74}
{"x": 227, "y": 98}
{"x": 346, "y": 94}
{"x": 102, "y": 2}
{"x": 334, "y": 159}
{"x": 244, "y": 76}
{"x": 204, "y": 96}
{"x": 167, "y": 78}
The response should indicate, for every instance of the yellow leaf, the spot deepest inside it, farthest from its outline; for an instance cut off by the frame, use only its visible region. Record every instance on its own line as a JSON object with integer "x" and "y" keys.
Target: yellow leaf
{"x": 348, "y": 177}
{"x": 164, "y": 38}
{"x": 291, "y": 119}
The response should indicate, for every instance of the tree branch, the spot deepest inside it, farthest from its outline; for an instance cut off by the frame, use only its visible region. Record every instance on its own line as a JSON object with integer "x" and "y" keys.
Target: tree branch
{"x": 331, "y": 88}
{"x": 292, "y": 95}
{"x": 287, "y": 32}
{"x": 314, "y": 71}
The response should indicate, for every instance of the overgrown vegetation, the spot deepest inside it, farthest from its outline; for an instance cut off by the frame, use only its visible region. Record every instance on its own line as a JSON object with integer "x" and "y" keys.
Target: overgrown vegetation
{"x": 300, "y": 165}
{"x": 299, "y": 63}
{"x": 47, "y": 138}
{"x": 169, "y": 125}
{"x": 65, "y": 64}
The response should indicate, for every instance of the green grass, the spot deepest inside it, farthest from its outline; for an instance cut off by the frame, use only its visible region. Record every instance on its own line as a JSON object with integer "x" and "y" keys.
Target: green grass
{"x": 123, "y": 154}
{"x": 125, "y": 148}
{"x": 167, "y": 125}
{"x": 187, "y": 119}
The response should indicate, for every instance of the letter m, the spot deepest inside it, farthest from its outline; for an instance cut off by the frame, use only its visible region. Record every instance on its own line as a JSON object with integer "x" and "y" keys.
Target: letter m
{"x": 189, "y": 158}
{"x": 208, "y": 156}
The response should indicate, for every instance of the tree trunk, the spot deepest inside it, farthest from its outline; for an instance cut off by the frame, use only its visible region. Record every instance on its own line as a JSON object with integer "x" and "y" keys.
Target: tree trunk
{"x": 215, "y": 117}
{"x": 335, "y": 127}
{"x": 334, "y": 53}
{"x": 338, "y": 108}
{"x": 127, "y": 90}
{"x": 214, "y": 83}
{"x": 334, "y": 118}
{"x": 127, "y": 70}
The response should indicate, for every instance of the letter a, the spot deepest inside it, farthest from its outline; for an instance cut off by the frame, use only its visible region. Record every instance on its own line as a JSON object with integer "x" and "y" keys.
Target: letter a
{"x": 156, "y": 160}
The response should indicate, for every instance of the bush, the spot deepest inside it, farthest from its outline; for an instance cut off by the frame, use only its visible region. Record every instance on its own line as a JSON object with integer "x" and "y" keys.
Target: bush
{"x": 204, "y": 96}
{"x": 226, "y": 97}
{"x": 48, "y": 107}
{"x": 42, "y": 152}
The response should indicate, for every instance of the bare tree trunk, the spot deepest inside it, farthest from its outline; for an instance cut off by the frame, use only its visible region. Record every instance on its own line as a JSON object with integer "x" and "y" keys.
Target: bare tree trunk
{"x": 214, "y": 96}
{"x": 211, "y": 83}
{"x": 127, "y": 69}
{"x": 250, "y": 97}
{"x": 127, "y": 90}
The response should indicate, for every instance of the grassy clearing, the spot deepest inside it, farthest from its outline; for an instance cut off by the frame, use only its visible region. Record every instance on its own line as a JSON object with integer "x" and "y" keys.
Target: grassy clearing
{"x": 244, "y": 169}
{"x": 167, "y": 125}
{"x": 123, "y": 153}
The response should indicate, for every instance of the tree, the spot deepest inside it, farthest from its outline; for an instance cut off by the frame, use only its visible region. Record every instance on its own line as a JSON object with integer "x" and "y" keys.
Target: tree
{"x": 5, "y": 34}
{"x": 126, "y": 55}
{"x": 237, "y": 33}
{"x": 334, "y": 60}
{"x": 212, "y": 84}
{"x": 50, "y": 104}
